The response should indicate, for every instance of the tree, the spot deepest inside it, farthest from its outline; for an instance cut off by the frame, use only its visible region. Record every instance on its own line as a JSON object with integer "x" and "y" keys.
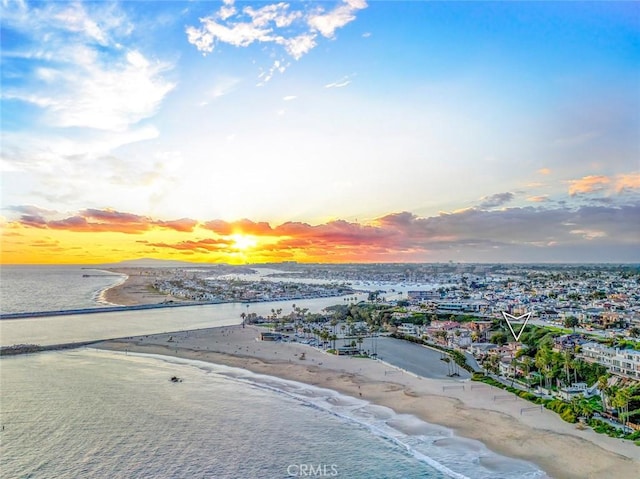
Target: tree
{"x": 571, "y": 322}
{"x": 527, "y": 362}
{"x": 544, "y": 362}
{"x": 621, "y": 403}
{"x": 334, "y": 323}
{"x": 492, "y": 363}
{"x": 568, "y": 363}
{"x": 603, "y": 387}
{"x": 442, "y": 335}
{"x": 499, "y": 338}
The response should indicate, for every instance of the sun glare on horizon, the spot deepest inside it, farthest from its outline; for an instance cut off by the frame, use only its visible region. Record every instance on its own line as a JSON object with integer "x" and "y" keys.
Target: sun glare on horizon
{"x": 243, "y": 242}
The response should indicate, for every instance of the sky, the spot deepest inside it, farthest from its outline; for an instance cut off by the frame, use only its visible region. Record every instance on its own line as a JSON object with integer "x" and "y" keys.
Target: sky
{"x": 331, "y": 131}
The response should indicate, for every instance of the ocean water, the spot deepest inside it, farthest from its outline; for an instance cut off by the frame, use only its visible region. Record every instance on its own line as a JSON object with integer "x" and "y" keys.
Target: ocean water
{"x": 96, "y": 414}
{"x": 59, "y": 288}
{"x": 53, "y": 288}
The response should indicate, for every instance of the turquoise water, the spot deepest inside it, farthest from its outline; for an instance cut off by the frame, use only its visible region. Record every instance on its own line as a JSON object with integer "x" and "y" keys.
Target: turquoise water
{"x": 97, "y": 414}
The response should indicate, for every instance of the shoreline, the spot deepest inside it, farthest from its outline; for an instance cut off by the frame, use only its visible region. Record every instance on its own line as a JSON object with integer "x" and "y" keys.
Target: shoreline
{"x": 538, "y": 437}
{"x": 135, "y": 289}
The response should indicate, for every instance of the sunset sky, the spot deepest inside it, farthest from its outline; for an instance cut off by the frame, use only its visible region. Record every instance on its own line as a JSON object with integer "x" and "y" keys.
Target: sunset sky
{"x": 332, "y": 131}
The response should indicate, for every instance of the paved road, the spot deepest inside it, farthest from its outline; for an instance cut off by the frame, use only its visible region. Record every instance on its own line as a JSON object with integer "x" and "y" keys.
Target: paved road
{"x": 413, "y": 358}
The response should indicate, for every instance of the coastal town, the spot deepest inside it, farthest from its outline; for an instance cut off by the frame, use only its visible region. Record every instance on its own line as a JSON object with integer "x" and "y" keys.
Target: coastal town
{"x": 579, "y": 354}
{"x": 432, "y": 340}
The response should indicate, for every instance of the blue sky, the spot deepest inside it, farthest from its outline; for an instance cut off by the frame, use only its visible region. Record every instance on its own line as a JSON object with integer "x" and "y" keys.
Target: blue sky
{"x": 522, "y": 114}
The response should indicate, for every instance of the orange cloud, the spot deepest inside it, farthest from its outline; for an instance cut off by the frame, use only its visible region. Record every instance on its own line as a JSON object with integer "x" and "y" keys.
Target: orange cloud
{"x": 627, "y": 181}
{"x": 198, "y": 245}
{"x": 245, "y": 226}
{"x": 97, "y": 235}
{"x": 588, "y": 184}
{"x": 538, "y": 199}
{"x": 107, "y": 220}
{"x": 544, "y": 171}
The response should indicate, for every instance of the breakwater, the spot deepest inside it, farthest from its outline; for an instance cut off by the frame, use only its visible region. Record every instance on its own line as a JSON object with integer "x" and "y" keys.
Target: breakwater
{"x": 106, "y": 309}
{"x": 36, "y": 348}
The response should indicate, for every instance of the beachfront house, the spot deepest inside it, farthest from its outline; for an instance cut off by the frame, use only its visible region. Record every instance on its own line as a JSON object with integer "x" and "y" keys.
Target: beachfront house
{"x": 619, "y": 362}
{"x": 579, "y": 390}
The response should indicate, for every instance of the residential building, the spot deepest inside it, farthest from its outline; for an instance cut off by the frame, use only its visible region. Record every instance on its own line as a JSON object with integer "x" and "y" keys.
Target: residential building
{"x": 620, "y": 362}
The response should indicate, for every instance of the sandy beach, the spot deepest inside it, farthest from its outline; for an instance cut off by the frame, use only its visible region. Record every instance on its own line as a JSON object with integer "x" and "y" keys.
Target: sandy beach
{"x": 473, "y": 410}
{"x": 136, "y": 289}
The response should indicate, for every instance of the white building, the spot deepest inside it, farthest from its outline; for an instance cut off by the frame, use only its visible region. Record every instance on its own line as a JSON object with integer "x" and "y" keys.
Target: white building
{"x": 408, "y": 329}
{"x": 621, "y": 362}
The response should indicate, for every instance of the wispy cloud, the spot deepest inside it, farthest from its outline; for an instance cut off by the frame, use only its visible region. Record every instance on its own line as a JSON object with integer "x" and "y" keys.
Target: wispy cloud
{"x": 328, "y": 22}
{"x": 344, "y": 81}
{"x": 103, "y": 220}
{"x": 197, "y": 246}
{"x": 538, "y": 199}
{"x": 621, "y": 183}
{"x": 222, "y": 86}
{"x": 84, "y": 77}
{"x": 498, "y": 199}
{"x": 628, "y": 181}
{"x": 294, "y": 30}
{"x": 588, "y": 184}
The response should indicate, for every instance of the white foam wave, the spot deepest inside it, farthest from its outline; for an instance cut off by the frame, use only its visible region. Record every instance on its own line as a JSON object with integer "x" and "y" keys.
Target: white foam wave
{"x": 434, "y": 445}
{"x": 100, "y": 295}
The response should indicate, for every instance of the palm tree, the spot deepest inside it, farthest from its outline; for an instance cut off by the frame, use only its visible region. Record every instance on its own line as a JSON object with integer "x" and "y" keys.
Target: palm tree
{"x": 603, "y": 386}
{"x": 324, "y": 335}
{"x": 567, "y": 365}
{"x": 334, "y": 323}
{"x": 544, "y": 362}
{"x": 621, "y": 402}
{"x": 527, "y": 363}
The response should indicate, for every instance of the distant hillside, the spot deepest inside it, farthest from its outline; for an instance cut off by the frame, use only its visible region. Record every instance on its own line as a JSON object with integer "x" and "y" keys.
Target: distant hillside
{"x": 218, "y": 268}
{"x": 155, "y": 263}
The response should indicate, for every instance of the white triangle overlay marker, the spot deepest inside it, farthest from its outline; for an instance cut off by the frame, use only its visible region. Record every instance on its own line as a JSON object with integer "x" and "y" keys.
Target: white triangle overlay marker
{"x": 508, "y": 316}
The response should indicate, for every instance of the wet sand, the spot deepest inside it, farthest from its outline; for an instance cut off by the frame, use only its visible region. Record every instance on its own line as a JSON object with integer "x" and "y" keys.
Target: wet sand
{"x": 473, "y": 410}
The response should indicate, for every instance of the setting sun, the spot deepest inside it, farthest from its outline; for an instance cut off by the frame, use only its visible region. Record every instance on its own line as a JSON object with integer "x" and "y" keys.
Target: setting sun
{"x": 243, "y": 242}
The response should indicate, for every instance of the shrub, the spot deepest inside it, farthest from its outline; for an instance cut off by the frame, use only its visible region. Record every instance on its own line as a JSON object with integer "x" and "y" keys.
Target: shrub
{"x": 568, "y": 415}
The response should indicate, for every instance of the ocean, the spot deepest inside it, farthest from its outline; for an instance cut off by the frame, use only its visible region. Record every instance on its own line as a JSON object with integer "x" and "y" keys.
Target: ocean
{"x": 95, "y": 414}
{"x": 53, "y": 288}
